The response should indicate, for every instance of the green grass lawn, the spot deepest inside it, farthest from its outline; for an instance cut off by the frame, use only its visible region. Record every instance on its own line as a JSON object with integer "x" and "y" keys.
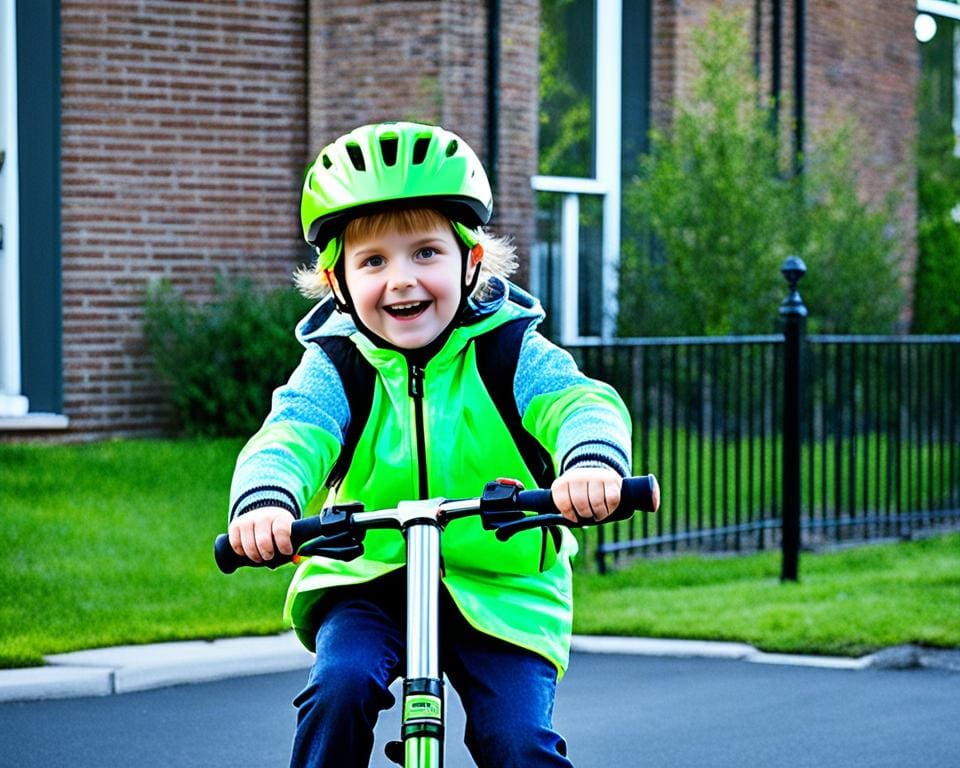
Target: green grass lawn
{"x": 848, "y": 602}
{"x": 110, "y": 543}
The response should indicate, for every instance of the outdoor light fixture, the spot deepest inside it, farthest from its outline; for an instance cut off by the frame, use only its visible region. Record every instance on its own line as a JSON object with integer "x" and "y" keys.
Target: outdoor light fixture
{"x": 925, "y": 27}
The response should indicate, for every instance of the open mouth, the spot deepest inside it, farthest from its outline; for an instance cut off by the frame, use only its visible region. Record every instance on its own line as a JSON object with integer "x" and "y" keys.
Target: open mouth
{"x": 408, "y": 310}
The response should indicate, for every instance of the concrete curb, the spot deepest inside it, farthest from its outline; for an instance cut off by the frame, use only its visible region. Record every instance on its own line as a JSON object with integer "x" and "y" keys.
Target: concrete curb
{"x": 709, "y": 650}
{"x": 896, "y": 657}
{"x": 106, "y": 671}
{"x": 128, "y": 668}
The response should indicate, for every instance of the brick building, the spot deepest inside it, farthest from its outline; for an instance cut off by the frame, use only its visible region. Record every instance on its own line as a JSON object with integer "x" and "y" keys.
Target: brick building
{"x": 149, "y": 139}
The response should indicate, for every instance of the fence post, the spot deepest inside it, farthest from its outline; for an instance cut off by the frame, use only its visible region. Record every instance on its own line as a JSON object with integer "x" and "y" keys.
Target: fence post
{"x": 794, "y": 313}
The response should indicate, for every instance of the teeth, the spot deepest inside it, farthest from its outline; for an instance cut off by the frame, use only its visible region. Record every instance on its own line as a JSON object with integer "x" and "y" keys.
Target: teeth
{"x": 406, "y": 306}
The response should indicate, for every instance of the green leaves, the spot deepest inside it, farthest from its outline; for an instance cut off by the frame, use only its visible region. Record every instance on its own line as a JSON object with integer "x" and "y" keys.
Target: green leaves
{"x": 223, "y": 358}
{"x": 724, "y": 212}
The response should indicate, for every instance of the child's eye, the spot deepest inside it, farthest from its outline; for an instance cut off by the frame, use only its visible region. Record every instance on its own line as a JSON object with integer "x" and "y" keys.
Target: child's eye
{"x": 372, "y": 261}
{"x": 426, "y": 253}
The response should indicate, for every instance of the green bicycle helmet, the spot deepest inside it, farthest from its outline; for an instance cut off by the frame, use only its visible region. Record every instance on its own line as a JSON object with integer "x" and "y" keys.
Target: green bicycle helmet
{"x": 392, "y": 164}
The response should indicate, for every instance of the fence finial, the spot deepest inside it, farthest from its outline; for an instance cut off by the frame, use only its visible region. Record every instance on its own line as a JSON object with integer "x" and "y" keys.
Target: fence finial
{"x": 792, "y": 270}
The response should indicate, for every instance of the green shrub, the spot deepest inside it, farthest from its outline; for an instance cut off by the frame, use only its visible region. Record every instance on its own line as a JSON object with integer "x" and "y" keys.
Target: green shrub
{"x": 853, "y": 251}
{"x": 937, "y": 301}
{"x": 223, "y": 358}
{"x": 724, "y": 214}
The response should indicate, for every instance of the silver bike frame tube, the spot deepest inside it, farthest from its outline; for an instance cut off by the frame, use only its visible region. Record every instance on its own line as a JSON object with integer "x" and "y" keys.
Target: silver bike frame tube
{"x": 423, "y": 589}
{"x": 423, "y": 631}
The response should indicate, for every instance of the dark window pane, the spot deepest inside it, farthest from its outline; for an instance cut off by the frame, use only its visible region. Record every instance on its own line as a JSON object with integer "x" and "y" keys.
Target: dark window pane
{"x": 567, "y": 88}
{"x": 591, "y": 266}
{"x": 546, "y": 262}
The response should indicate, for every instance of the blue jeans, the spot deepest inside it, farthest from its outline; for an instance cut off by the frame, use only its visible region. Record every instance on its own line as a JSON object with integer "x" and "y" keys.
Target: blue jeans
{"x": 507, "y": 692}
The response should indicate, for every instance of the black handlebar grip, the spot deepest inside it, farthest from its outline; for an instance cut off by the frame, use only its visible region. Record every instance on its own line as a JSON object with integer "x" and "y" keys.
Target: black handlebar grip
{"x": 637, "y": 494}
{"x": 537, "y": 500}
{"x": 228, "y": 561}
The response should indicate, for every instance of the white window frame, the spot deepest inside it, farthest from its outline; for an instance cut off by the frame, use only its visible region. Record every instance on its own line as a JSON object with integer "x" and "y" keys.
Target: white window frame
{"x": 606, "y": 183}
{"x": 12, "y": 401}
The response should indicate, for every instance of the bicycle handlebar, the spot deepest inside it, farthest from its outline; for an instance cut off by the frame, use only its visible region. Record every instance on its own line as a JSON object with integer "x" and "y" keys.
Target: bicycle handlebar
{"x": 338, "y": 533}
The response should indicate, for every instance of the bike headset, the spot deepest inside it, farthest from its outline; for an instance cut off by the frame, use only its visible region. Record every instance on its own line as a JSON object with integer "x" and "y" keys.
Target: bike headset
{"x": 393, "y": 165}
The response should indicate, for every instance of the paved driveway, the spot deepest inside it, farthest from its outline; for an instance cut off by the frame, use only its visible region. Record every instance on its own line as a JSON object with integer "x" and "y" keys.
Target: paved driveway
{"x": 619, "y": 711}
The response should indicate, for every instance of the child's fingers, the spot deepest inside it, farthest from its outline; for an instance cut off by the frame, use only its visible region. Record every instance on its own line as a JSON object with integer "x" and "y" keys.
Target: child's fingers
{"x": 586, "y": 494}
{"x": 610, "y": 490}
{"x": 281, "y": 534}
{"x": 572, "y": 498}
{"x": 248, "y": 538}
{"x": 597, "y": 496}
{"x": 560, "y": 492}
{"x": 263, "y": 534}
{"x": 579, "y": 491}
{"x": 259, "y": 534}
{"x": 233, "y": 532}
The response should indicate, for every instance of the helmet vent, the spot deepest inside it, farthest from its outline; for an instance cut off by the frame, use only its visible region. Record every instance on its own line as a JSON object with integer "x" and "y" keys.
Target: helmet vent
{"x": 420, "y": 147}
{"x": 452, "y": 148}
{"x": 356, "y": 156}
{"x": 327, "y": 162}
{"x": 388, "y": 148}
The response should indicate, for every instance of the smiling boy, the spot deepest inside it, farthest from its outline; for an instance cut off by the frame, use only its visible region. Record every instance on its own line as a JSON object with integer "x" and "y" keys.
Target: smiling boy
{"x": 395, "y": 212}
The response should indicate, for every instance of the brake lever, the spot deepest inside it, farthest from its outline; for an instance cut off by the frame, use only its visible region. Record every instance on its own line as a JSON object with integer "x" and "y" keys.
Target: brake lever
{"x": 508, "y": 528}
{"x": 340, "y": 546}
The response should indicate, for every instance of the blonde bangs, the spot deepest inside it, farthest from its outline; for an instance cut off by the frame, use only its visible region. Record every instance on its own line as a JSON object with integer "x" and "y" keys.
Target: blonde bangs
{"x": 403, "y": 220}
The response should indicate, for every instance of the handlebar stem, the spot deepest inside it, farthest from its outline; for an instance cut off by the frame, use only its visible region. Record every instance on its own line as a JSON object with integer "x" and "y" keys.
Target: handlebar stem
{"x": 401, "y": 517}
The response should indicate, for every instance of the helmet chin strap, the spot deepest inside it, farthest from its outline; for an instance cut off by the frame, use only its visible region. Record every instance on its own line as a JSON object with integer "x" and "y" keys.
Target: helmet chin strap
{"x": 344, "y": 305}
{"x": 476, "y": 252}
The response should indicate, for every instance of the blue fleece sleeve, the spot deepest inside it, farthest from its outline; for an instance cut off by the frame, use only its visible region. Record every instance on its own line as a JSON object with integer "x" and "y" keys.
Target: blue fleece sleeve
{"x": 287, "y": 461}
{"x": 581, "y": 421}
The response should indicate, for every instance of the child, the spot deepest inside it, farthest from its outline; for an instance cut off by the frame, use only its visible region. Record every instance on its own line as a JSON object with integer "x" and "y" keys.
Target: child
{"x": 395, "y": 213}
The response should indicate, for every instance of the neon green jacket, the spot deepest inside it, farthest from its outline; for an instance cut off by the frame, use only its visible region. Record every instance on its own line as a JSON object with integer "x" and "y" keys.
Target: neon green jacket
{"x": 519, "y": 590}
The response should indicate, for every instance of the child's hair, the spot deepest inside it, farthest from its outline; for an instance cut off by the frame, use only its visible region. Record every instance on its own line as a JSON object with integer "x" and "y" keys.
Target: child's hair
{"x": 499, "y": 254}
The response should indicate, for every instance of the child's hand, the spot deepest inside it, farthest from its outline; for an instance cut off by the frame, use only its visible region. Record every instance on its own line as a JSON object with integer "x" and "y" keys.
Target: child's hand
{"x": 260, "y": 533}
{"x": 587, "y": 493}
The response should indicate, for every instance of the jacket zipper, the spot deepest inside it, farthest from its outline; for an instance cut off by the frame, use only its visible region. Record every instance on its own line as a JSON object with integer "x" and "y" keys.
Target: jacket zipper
{"x": 416, "y": 393}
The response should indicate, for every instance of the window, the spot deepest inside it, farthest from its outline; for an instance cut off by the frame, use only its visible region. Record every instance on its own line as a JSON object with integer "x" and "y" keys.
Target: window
{"x": 939, "y": 35}
{"x": 594, "y": 81}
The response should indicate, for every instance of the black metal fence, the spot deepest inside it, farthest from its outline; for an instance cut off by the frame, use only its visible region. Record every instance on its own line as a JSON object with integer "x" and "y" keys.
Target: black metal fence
{"x": 878, "y": 444}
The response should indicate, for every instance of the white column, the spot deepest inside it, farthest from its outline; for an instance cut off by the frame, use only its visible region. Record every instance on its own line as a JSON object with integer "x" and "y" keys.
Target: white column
{"x": 12, "y": 403}
{"x": 609, "y": 36}
{"x": 570, "y": 269}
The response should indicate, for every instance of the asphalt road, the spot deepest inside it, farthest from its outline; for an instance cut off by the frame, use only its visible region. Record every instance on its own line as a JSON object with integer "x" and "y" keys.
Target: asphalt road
{"x": 621, "y": 711}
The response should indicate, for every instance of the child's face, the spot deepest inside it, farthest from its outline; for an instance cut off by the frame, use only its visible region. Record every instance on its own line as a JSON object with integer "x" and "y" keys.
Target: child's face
{"x": 405, "y": 287}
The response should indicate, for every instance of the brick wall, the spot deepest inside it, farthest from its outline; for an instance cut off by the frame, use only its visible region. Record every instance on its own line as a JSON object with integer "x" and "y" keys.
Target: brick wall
{"x": 518, "y": 125}
{"x": 673, "y": 58}
{"x": 866, "y": 63}
{"x": 426, "y": 60}
{"x": 183, "y": 142}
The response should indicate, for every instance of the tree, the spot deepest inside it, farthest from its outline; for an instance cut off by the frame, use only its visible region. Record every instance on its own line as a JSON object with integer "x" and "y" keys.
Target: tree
{"x": 724, "y": 213}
